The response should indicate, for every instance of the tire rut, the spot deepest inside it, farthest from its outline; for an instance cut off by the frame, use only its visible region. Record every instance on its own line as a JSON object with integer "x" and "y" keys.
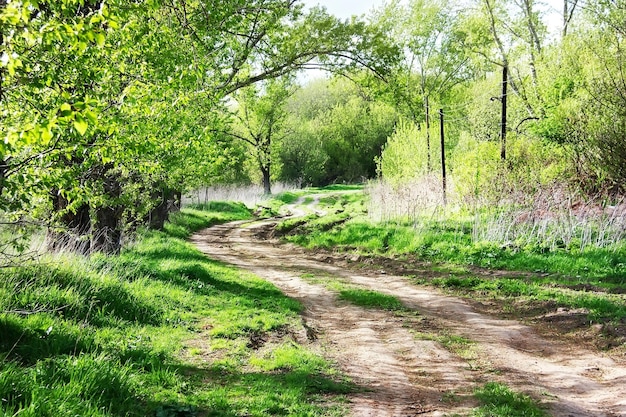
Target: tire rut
{"x": 404, "y": 376}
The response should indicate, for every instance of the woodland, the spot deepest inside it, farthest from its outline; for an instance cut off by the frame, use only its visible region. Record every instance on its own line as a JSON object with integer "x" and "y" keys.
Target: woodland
{"x": 475, "y": 147}
{"x": 112, "y": 110}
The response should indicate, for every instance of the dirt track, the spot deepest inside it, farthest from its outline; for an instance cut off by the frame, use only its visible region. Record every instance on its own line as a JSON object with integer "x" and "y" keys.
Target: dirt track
{"x": 405, "y": 375}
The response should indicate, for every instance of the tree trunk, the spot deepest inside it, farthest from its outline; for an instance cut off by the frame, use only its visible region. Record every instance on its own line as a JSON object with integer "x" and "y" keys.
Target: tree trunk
{"x": 427, "y": 111}
{"x": 568, "y": 13}
{"x": 267, "y": 186}
{"x": 503, "y": 121}
{"x": 177, "y": 203}
{"x": 106, "y": 235}
{"x": 106, "y": 232}
{"x": 160, "y": 213}
{"x": 72, "y": 234}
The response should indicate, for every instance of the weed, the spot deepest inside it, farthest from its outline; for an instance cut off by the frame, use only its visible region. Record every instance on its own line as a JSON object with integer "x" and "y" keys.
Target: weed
{"x": 500, "y": 401}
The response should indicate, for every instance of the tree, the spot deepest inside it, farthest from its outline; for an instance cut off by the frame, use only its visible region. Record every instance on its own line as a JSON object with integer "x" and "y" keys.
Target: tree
{"x": 103, "y": 102}
{"x": 338, "y": 129}
{"x": 261, "y": 118}
{"x": 434, "y": 59}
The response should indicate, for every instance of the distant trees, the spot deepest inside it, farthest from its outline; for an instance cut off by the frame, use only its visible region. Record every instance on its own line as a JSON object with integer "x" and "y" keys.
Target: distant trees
{"x": 337, "y": 132}
{"x": 564, "y": 105}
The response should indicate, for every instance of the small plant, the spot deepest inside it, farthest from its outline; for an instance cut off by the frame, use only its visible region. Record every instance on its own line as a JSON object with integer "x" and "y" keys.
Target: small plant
{"x": 498, "y": 400}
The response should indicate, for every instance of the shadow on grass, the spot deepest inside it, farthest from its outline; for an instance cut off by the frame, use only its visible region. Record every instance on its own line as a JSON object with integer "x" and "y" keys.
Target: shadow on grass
{"x": 228, "y": 393}
{"x": 87, "y": 385}
{"x": 26, "y": 344}
{"x": 177, "y": 263}
{"x": 76, "y": 293}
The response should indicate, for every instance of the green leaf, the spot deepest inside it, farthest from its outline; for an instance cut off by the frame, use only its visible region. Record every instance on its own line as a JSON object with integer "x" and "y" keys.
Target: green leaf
{"x": 80, "y": 124}
{"x": 100, "y": 39}
{"x": 46, "y": 135}
{"x": 91, "y": 116}
{"x": 66, "y": 109}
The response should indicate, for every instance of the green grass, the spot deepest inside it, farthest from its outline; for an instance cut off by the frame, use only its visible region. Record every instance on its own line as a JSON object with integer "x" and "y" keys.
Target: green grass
{"x": 371, "y": 299}
{"x": 601, "y": 307}
{"x": 337, "y": 199}
{"x": 454, "y": 245}
{"x": 199, "y": 216}
{"x": 159, "y": 330}
{"x": 554, "y": 274}
{"x": 356, "y": 295}
{"x": 498, "y": 400}
{"x": 336, "y": 187}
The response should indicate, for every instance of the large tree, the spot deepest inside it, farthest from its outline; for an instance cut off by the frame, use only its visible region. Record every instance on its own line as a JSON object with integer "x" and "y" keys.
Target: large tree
{"x": 261, "y": 122}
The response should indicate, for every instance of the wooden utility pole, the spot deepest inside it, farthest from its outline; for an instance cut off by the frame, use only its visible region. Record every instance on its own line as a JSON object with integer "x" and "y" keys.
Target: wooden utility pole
{"x": 443, "y": 156}
{"x": 505, "y": 84}
{"x": 427, "y": 108}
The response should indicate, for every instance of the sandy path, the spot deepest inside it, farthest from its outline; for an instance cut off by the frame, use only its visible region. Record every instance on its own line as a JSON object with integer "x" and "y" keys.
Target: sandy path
{"x": 406, "y": 376}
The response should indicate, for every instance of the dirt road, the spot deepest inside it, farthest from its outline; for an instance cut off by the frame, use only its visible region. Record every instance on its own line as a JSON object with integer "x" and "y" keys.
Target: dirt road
{"x": 404, "y": 372}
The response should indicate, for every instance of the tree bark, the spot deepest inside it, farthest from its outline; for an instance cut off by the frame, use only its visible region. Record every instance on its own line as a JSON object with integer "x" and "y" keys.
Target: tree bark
{"x": 267, "y": 185}
{"x": 73, "y": 232}
{"x": 160, "y": 213}
{"x": 503, "y": 122}
{"x": 106, "y": 233}
{"x": 568, "y": 14}
{"x": 427, "y": 110}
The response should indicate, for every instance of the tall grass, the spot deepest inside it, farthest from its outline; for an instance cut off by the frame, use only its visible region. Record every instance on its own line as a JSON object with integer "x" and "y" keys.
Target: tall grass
{"x": 548, "y": 218}
{"x": 250, "y": 195}
{"x": 405, "y": 202}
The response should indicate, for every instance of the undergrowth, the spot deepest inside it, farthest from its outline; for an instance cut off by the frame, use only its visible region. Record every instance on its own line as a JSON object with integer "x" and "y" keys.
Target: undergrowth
{"x": 593, "y": 279}
{"x": 159, "y": 330}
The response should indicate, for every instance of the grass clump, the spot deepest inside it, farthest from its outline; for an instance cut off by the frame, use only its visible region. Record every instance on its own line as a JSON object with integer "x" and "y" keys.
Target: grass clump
{"x": 199, "y": 216}
{"x": 371, "y": 299}
{"x": 358, "y": 296}
{"x": 110, "y": 336}
{"x": 600, "y": 306}
{"x": 498, "y": 400}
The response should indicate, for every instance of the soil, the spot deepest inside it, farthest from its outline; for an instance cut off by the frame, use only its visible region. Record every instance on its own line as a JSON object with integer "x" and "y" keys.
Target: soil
{"x": 401, "y": 361}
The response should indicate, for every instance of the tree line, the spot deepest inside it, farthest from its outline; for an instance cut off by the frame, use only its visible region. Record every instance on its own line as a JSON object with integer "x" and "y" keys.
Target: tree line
{"x": 111, "y": 110}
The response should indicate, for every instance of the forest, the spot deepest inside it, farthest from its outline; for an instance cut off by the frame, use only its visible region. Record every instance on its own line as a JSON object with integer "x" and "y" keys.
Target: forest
{"x": 476, "y": 147}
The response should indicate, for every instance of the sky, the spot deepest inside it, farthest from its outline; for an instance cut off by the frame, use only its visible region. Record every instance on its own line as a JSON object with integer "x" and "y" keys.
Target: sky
{"x": 346, "y": 8}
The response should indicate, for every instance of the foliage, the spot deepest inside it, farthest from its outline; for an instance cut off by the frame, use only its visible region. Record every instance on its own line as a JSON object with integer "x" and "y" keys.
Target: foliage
{"x": 339, "y": 140}
{"x": 532, "y": 165}
{"x": 405, "y": 156}
{"x": 112, "y": 110}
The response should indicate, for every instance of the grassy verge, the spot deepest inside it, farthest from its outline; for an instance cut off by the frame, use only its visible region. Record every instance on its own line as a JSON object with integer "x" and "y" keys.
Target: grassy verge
{"x": 158, "y": 331}
{"x": 593, "y": 279}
